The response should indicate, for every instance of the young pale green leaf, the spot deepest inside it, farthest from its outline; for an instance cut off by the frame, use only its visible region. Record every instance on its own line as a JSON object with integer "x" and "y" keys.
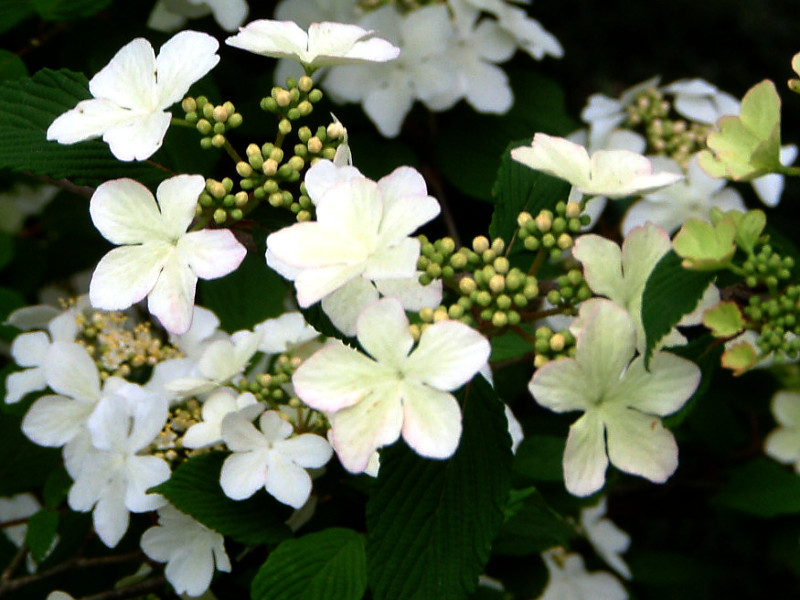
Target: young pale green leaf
{"x": 706, "y": 247}
{"x": 42, "y": 528}
{"x": 430, "y": 523}
{"x": 763, "y": 488}
{"x": 327, "y": 565}
{"x": 194, "y": 489}
{"x": 671, "y": 292}
{"x": 29, "y": 106}
{"x": 740, "y": 358}
{"x": 531, "y": 526}
{"x": 517, "y": 188}
{"x": 749, "y": 227}
{"x": 724, "y": 320}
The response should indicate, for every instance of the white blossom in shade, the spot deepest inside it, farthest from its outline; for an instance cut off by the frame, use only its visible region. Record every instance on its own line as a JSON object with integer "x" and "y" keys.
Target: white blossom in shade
{"x": 622, "y": 401}
{"x": 325, "y": 44}
{"x": 361, "y": 233}
{"x": 170, "y": 15}
{"x": 132, "y": 93}
{"x": 692, "y": 197}
{"x": 113, "y": 479}
{"x": 156, "y": 256}
{"x": 569, "y": 579}
{"x": 201, "y": 333}
{"x": 215, "y": 408}
{"x": 608, "y": 540}
{"x": 421, "y": 72}
{"x": 610, "y": 173}
{"x": 783, "y": 442}
{"x": 285, "y": 333}
{"x": 59, "y": 595}
{"x": 396, "y": 389}
{"x": 270, "y": 458}
{"x": 698, "y": 100}
{"x": 222, "y": 362}
{"x": 770, "y": 187}
{"x": 191, "y": 551}
{"x": 12, "y": 508}
{"x": 21, "y": 201}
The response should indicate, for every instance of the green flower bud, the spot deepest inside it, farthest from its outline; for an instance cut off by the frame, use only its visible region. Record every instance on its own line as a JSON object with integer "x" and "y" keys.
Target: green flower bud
{"x": 192, "y": 117}
{"x": 228, "y": 201}
{"x": 219, "y": 128}
{"x": 205, "y": 143}
{"x": 467, "y": 285}
{"x": 219, "y": 114}
{"x": 314, "y": 145}
{"x": 480, "y": 244}
{"x": 276, "y": 154}
{"x": 208, "y": 111}
{"x": 499, "y": 319}
{"x": 293, "y": 114}
{"x": 532, "y": 244}
{"x": 328, "y": 153}
{"x": 268, "y": 105}
{"x": 283, "y": 98}
{"x": 189, "y": 104}
{"x": 554, "y": 297}
{"x": 220, "y": 216}
{"x": 218, "y": 141}
{"x": 270, "y": 167}
{"x": 270, "y": 186}
{"x": 244, "y": 169}
{"x": 201, "y": 101}
{"x": 458, "y": 261}
{"x": 501, "y": 265}
{"x": 523, "y": 219}
{"x": 275, "y": 199}
{"x": 483, "y": 298}
{"x": 305, "y": 84}
{"x": 205, "y": 199}
{"x": 557, "y": 342}
{"x": 296, "y": 163}
{"x": 204, "y": 127}
{"x": 315, "y": 95}
{"x": 335, "y": 131}
{"x": 455, "y": 311}
{"x": 285, "y": 126}
{"x": 503, "y": 302}
{"x": 497, "y": 283}
{"x": 236, "y": 214}
{"x": 235, "y": 120}
{"x": 305, "y": 108}
{"x": 215, "y": 188}
{"x": 514, "y": 318}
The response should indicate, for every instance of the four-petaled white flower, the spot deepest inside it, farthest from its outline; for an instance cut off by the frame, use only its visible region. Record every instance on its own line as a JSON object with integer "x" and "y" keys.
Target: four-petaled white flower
{"x": 610, "y": 173}
{"x": 324, "y": 45}
{"x": 270, "y": 458}
{"x": 622, "y": 401}
{"x": 189, "y": 549}
{"x": 783, "y": 442}
{"x": 372, "y": 399}
{"x": 215, "y": 408}
{"x": 157, "y": 258}
{"x": 132, "y": 92}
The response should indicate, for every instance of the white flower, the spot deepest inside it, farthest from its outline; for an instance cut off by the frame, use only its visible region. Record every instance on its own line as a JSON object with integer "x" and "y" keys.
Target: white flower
{"x": 783, "y": 442}
{"x": 114, "y": 478}
{"x": 360, "y": 236}
{"x": 22, "y": 201}
{"x": 608, "y": 540}
{"x": 324, "y": 45}
{"x": 20, "y": 506}
{"x": 190, "y": 550}
{"x": 569, "y": 579}
{"x": 692, "y": 197}
{"x": 285, "y": 333}
{"x": 698, "y": 100}
{"x": 169, "y": 15}
{"x": 622, "y": 401}
{"x": 215, "y": 408}
{"x": 132, "y": 93}
{"x": 604, "y": 114}
{"x": 372, "y": 399}
{"x": 270, "y": 459}
{"x": 610, "y": 173}
{"x": 157, "y": 257}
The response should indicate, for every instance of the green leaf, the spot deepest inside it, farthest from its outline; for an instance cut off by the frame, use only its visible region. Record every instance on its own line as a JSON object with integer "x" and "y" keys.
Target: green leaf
{"x": 511, "y": 345}
{"x": 328, "y": 565}
{"x": 194, "y": 489}
{"x": 430, "y": 523}
{"x": 706, "y": 353}
{"x": 42, "y": 528}
{"x": 14, "y": 12}
{"x": 246, "y": 297}
{"x": 64, "y": 10}
{"x": 531, "y": 526}
{"x": 519, "y": 188}
{"x": 670, "y": 292}
{"x": 11, "y": 66}
{"x": 539, "y": 457}
{"x": 25, "y": 465}
{"x": 763, "y": 488}
{"x": 724, "y": 320}
{"x": 56, "y": 488}
{"x": 29, "y": 106}
{"x": 705, "y": 246}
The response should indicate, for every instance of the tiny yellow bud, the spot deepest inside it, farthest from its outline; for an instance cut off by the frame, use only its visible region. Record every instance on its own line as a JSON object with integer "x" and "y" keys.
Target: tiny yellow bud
{"x": 282, "y": 97}
{"x": 480, "y": 244}
{"x": 270, "y": 167}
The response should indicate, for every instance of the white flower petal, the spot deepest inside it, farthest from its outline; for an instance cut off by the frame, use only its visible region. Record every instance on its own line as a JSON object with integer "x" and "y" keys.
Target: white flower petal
{"x": 383, "y": 332}
{"x": 243, "y": 474}
{"x": 431, "y": 421}
{"x": 138, "y": 138}
{"x": 307, "y": 450}
{"x": 345, "y": 304}
{"x": 182, "y": 60}
{"x": 287, "y": 482}
{"x": 171, "y": 299}
{"x": 20, "y": 383}
{"x": 127, "y": 274}
{"x": 55, "y": 420}
{"x": 661, "y": 390}
{"x": 211, "y": 253}
{"x": 72, "y": 372}
{"x": 125, "y": 212}
{"x": 127, "y": 79}
{"x": 585, "y": 459}
{"x": 560, "y": 385}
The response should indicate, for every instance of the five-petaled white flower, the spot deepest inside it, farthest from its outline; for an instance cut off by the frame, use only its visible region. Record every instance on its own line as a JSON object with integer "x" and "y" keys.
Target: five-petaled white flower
{"x": 132, "y": 92}
{"x": 324, "y": 45}
{"x": 157, "y": 258}
{"x": 372, "y": 399}
{"x": 622, "y": 401}
{"x": 270, "y": 458}
{"x": 610, "y": 173}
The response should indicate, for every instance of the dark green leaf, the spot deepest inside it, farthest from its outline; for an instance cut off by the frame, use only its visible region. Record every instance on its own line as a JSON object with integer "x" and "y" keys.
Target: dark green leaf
{"x": 29, "y": 106}
{"x": 763, "y": 488}
{"x": 11, "y": 66}
{"x": 64, "y": 10}
{"x": 706, "y": 353}
{"x": 670, "y": 293}
{"x": 519, "y": 188}
{"x": 42, "y": 528}
{"x": 194, "y": 489}
{"x": 6, "y": 248}
{"x": 430, "y": 523}
{"x": 328, "y": 565}
{"x": 539, "y": 458}
{"x": 14, "y": 12}
{"x": 511, "y": 345}
{"x": 56, "y": 488}
{"x": 531, "y": 526}
{"x": 24, "y": 465}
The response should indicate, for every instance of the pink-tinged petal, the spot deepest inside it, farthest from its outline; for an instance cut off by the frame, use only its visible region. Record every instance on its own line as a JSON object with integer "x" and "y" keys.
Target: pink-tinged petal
{"x": 602, "y": 265}
{"x": 337, "y": 377}
{"x": 128, "y": 79}
{"x": 345, "y": 304}
{"x": 70, "y": 371}
{"x": 183, "y": 59}
{"x": 127, "y": 274}
{"x": 561, "y": 386}
{"x": 314, "y": 284}
{"x": 20, "y": 383}
{"x": 211, "y": 253}
{"x": 557, "y": 157}
{"x": 372, "y": 423}
{"x": 243, "y": 474}
{"x": 287, "y": 482}
{"x": 139, "y": 138}
{"x": 240, "y": 435}
{"x": 172, "y": 297}
{"x": 280, "y": 39}
{"x": 449, "y": 353}
{"x": 55, "y": 420}
{"x": 30, "y": 349}
{"x": 312, "y": 245}
{"x": 307, "y": 450}
{"x": 661, "y": 390}
{"x": 383, "y": 332}
{"x": 89, "y": 119}
{"x": 393, "y": 262}
{"x": 177, "y": 201}
{"x": 125, "y": 212}
{"x": 585, "y": 459}
{"x": 638, "y": 444}
{"x": 431, "y": 421}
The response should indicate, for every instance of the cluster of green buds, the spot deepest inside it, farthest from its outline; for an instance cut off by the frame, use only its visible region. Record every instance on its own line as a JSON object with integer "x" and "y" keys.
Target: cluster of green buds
{"x": 550, "y": 232}
{"x": 550, "y": 345}
{"x": 667, "y": 134}
{"x": 213, "y": 122}
{"x": 767, "y": 268}
{"x": 293, "y": 102}
{"x": 779, "y": 321}
{"x": 219, "y": 200}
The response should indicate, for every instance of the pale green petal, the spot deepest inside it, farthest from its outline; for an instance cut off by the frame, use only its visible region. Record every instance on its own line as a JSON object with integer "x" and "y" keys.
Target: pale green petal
{"x": 383, "y": 332}
{"x": 345, "y": 304}
{"x": 177, "y": 201}
{"x": 602, "y": 266}
{"x": 431, "y": 421}
{"x": 125, "y": 212}
{"x": 639, "y": 444}
{"x": 585, "y": 459}
{"x": 561, "y": 386}
{"x": 641, "y": 251}
{"x": 786, "y": 408}
{"x": 784, "y": 446}
{"x": 557, "y": 157}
